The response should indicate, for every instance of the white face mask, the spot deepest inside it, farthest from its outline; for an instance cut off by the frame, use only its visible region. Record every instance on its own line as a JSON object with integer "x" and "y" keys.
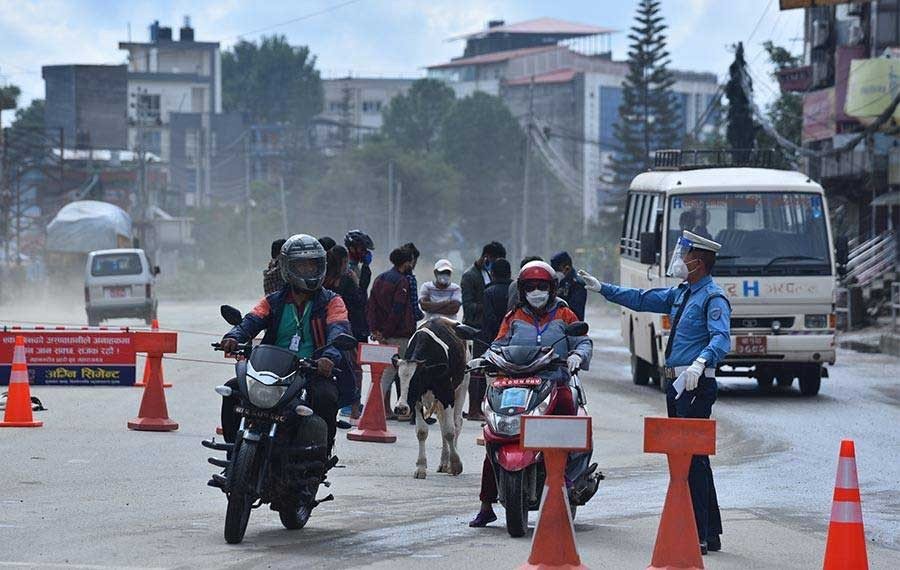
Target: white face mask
{"x": 442, "y": 280}
{"x": 679, "y": 270}
{"x": 537, "y": 298}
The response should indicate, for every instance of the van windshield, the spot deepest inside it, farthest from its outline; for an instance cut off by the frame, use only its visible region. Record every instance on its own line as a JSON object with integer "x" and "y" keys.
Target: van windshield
{"x": 116, "y": 264}
{"x": 762, "y": 233}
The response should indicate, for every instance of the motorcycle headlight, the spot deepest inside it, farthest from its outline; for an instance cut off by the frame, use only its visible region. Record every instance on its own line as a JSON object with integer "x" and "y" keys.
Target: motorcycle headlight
{"x": 504, "y": 425}
{"x": 263, "y": 396}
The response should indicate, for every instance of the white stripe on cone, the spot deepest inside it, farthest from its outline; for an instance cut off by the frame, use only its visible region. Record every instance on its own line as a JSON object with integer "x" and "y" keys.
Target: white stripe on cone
{"x": 846, "y": 474}
{"x": 846, "y": 512}
{"x": 18, "y": 376}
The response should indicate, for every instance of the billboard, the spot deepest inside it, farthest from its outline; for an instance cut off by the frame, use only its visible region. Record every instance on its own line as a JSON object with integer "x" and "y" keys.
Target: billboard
{"x": 818, "y": 115}
{"x": 872, "y": 85}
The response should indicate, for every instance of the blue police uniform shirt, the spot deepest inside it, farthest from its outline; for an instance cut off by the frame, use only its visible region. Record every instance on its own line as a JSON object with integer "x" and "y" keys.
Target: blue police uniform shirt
{"x": 697, "y": 334}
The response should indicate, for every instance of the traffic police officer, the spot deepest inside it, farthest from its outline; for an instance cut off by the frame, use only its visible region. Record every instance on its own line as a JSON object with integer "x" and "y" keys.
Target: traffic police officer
{"x": 699, "y": 340}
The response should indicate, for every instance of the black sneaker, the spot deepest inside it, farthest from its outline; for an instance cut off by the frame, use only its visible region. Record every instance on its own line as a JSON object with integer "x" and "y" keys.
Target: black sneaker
{"x": 714, "y": 543}
{"x": 703, "y": 547}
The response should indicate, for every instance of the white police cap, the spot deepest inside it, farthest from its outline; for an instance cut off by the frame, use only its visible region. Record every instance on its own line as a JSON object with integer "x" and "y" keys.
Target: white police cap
{"x": 699, "y": 242}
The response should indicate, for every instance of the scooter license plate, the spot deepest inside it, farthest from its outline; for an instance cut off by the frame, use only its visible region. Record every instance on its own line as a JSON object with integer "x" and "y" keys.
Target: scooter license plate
{"x": 506, "y": 382}
{"x": 514, "y": 398}
{"x": 259, "y": 414}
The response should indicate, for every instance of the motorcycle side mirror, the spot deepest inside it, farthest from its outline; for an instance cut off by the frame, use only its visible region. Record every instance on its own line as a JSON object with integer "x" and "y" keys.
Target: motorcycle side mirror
{"x": 466, "y": 332}
{"x": 231, "y": 315}
{"x": 578, "y": 328}
{"x": 344, "y": 342}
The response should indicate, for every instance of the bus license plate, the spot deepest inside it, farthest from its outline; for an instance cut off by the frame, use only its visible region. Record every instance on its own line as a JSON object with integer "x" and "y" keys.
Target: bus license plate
{"x": 752, "y": 345}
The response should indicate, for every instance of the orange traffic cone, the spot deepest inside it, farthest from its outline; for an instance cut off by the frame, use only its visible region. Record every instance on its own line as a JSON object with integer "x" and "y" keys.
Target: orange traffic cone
{"x": 845, "y": 548}
{"x": 372, "y": 425}
{"x": 153, "y": 327}
{"x": 154, "y": 414}
{"x": 18, "y": 401}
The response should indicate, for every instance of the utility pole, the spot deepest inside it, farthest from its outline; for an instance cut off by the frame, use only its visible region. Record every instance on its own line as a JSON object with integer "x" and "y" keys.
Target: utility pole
{"x": 397, "y": 208}
{"x": 207, "y": 155}
{"x": 247, "y": 208}
{"x": 390, "y": 204}
{"x": 284, "y": 221}
{"x": 523, "y": 236}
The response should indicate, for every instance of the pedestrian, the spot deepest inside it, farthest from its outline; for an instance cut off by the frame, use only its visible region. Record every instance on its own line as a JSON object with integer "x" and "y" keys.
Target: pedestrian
{"x": 413, "y": 283}
{"x": 571, "y": 286}
{"x": 474, "y": 281}
{"x": 390, "y": 314}
{"x": 512, "y": 299}
{"x": 341, "y": 280}
{"x": 441, "y": 297}
{"x": 698, "y": 341}
{"x": 359, "y": 255}
{"x": 272, "y": 280}
{"x": 495, "y": 300}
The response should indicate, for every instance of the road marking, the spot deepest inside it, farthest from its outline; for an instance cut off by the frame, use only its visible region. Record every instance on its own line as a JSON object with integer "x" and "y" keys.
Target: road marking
{"x": 74, "y": 566}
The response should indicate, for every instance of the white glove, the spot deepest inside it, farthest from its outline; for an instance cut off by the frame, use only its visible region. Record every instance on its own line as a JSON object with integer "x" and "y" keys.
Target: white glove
{"x": 691, "y": 376}
{"x": 591, "y": 283}
{"x": 476, "y": 363}
{"x": 573, "y": 362}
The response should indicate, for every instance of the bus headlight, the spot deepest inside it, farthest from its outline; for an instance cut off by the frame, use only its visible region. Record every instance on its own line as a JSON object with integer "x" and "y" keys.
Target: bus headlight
{"x": 816, "y": 321}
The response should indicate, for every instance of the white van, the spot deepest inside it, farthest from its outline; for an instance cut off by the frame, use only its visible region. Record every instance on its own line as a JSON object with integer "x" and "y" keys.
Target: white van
{"x": 776, "y": 266}
{"x": 119, "y": 283}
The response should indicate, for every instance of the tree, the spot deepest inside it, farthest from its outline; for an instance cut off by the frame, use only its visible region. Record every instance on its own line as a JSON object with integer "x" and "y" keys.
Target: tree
{"x": 741, "y": 129}
{"x": 786, "y": 112}
{"x": 484, "y": 142}
{"x": 273, "y": 81}
{"x": 413, "y": 120}
{"x": 649, "y": 116}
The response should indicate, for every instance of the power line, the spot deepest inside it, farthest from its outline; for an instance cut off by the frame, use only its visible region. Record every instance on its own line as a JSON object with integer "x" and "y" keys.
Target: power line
{"x": 299, "y": 18}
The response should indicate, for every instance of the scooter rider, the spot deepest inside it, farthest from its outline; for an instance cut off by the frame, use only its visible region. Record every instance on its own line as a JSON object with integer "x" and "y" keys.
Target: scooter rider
{"x": 301, "y": 317}
{"x": 699, "y": 340}
{"x": 539, "y": 319}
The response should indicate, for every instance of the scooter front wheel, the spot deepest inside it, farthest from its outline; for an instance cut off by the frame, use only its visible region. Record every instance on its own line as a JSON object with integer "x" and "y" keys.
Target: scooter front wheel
{"x": 515, "y": 503}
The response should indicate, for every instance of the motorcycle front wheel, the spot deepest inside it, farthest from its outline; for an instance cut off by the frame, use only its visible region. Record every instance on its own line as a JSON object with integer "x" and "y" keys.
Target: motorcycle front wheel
{"x": 295, "y": 518}
{"x": 515, "y": 503}
{"x": 240, "y": 499}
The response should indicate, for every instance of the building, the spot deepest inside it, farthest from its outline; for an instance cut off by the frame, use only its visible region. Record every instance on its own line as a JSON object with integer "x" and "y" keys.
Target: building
{"x": 167, "y": 76}
{"x": 562, "y": 75}
{"x": 88, "y": 103}
{"x": 849, "y": 74}
{"x": 353, "y": 107}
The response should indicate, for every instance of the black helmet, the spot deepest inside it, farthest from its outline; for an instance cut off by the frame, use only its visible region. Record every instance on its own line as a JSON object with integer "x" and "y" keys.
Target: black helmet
{"x": 358, "y": 238}
{"x": 302, "y": 262}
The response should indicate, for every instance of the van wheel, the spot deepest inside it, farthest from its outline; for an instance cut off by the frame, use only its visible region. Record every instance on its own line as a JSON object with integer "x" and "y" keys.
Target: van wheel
{"x": 810, "y": 380}
{"x": 641, "y": 370}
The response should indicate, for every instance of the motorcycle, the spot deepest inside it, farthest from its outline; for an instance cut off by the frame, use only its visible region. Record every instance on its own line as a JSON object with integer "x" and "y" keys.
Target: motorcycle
{"x": 522, "y": 380}
{"x": 280, "y": 454}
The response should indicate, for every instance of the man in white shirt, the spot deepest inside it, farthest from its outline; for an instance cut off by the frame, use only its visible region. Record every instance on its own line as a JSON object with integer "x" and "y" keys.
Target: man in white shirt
{"x": 441, "y": 297}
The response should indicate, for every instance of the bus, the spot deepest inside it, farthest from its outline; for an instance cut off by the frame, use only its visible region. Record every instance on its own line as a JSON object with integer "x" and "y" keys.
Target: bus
{"x": 776, "y": 266}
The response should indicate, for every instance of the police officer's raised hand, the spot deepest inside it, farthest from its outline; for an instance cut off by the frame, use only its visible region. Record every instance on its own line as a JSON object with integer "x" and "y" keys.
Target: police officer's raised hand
{"x": 324, "y": 366}
{"x": 591, "y": 283}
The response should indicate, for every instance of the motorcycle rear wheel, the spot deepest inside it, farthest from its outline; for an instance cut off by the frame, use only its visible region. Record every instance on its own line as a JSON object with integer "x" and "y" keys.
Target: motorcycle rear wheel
{"x": 515, "y": 503}
{"x": 295, "y": 518}
{"x": 240, "y": 500}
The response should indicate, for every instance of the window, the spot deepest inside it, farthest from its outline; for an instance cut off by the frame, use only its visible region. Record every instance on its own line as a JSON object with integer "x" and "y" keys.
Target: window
{"x": 610, "y": 100}
{"x": 639, "y": 218}
{"x": 191, "y": 147}
{"x": 335, "y": 106}
{"x": 762, "y": 233}
{"x": 116, "y": 264}
{"x": 371, "y": 106}
{"x": 148, "y": 108}
{"x": 151, "y": 141}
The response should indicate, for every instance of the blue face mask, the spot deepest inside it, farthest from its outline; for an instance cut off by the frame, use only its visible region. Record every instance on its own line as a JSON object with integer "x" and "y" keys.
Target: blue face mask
{"x": 488, "y": 265}
{"x": 367, "y": 258}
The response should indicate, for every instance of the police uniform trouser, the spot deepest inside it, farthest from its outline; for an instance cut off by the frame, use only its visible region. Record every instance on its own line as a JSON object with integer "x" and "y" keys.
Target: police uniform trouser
{"x": 323, "y": 399}
{"x": 698, "y": 404}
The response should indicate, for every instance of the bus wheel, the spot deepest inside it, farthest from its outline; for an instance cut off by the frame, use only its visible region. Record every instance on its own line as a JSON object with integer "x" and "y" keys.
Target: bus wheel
{"x": 641, "y": 370}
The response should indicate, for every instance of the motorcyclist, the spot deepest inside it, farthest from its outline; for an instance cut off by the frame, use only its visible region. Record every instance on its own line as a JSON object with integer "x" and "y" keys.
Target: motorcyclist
{"x": 302, "y": 317}
{"x": 539, "y": 319}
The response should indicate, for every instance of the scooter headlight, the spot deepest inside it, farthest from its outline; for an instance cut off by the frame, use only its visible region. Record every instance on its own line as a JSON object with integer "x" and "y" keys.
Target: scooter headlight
{"x": 504, "y": 425}
{"x": 263, "y": 396}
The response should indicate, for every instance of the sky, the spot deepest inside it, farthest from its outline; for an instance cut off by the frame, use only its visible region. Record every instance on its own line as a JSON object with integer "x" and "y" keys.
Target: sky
{"x": 374, "y": 37}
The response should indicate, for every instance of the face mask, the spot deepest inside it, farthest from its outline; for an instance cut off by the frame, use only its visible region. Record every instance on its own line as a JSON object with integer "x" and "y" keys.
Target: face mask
{"x": 488, "y": 265}
{"x": 680, "y": 269}
{"x": 442, "y": 280}
{"x": 560, "y": 275}
{"x": 537, "y": 298}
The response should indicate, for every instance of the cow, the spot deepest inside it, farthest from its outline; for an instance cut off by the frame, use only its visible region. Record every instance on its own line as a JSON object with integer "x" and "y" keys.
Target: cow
{"x": 433, "y": 380}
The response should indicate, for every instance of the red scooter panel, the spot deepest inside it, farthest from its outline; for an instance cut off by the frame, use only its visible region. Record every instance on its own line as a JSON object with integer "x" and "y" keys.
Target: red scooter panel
{"x": 511, "y": 457}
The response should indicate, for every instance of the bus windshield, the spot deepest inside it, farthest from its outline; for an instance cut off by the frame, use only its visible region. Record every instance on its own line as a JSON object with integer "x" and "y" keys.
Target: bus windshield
{"x": 762, "y": 233}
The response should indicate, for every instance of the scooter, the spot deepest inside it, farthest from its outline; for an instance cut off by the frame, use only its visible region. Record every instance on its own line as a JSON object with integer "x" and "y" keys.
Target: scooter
{"x": 524, "y": 380}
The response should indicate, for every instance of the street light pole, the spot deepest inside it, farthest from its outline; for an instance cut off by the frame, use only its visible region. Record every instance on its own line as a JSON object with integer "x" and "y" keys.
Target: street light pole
{"x": 523, "y": 229}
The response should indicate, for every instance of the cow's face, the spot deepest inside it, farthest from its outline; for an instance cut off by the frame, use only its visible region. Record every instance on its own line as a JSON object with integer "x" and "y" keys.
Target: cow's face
{"x": 406, "y": 369}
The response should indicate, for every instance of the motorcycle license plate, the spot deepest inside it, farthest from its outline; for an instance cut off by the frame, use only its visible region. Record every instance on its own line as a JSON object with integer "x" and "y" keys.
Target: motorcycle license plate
{"x": 259, "y": 414}
{"x": 753, "y": 345}
{"x": 504, "y": 382}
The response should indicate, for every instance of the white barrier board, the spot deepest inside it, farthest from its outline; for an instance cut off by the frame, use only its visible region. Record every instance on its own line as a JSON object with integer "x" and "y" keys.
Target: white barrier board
{"x": 376, "y": 353}
{"x": 556, "y": 432}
